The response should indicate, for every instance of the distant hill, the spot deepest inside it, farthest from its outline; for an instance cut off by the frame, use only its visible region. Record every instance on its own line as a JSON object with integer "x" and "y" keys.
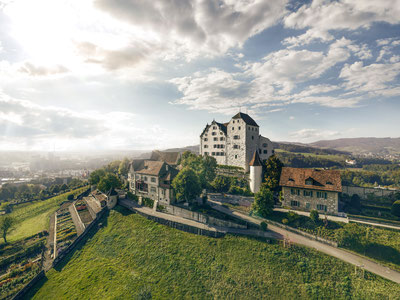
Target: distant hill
{"x": 304, "y": 148}
{"x": 194, "y": 149}
{"x": 377, "y": 146}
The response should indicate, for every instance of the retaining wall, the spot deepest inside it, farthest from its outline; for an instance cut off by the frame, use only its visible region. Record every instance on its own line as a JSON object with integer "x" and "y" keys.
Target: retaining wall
{"x": 364, "y": 191}
{"x": 25, "y": 289}
{"x": 201, "y": 218}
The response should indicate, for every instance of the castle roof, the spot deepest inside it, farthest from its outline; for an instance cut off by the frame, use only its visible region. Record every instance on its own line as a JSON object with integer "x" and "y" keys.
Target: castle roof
{"x": 246, "y": 118}
{"x": 255, "y": 161}
{"x": 325, "y": 180}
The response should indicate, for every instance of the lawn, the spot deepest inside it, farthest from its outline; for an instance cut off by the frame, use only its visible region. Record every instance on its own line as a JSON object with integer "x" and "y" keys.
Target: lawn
{"x": 33, "y": 217}
{"x": 131, "y": 257}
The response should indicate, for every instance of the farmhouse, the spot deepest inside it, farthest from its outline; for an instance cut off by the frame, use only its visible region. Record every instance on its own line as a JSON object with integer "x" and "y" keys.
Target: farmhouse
{"x": 311, "y": 189}
{"x": 234, "y": 143}
{"x": 152, "y": 179}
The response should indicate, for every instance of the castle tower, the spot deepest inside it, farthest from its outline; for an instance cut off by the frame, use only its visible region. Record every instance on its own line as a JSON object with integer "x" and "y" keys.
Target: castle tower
{"x": 255, "y": 173}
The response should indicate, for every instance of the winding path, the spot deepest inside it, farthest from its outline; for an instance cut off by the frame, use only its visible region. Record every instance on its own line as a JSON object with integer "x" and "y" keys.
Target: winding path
{"x": 339, "y": 253}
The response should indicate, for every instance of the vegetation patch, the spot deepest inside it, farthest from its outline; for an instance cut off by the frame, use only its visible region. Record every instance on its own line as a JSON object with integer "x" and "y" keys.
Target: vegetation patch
{"x": 131, "y": 257}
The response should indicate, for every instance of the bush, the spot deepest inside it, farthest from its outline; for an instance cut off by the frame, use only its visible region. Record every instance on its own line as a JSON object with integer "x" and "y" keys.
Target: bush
{"x": 314, "y": 216}
{"x": 264, "y": 226}
{"x": 396, "y": 208}
{"x": 70, "y": 197}
{"x": 148, "y": 202}
{"x": 285, "y": 221}
{"x": 292, "y": 216}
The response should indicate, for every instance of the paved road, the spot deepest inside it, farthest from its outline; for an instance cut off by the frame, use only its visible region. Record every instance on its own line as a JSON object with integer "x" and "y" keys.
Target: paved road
{"x": 336, "y": 252}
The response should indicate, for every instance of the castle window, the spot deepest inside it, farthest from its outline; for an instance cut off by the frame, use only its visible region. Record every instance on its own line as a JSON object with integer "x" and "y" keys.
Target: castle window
{"x": 221, "y": 138}
{"x": 239, "y": 127}
{"x": 233, "y": 122}
{"x": 265, "y": 145}
{"x": 214, "y": 127}
{"x": 295, "y": 203}
{"x": 223, "y": 153}
{"x": 307, "y": 193}
{"x": 233, "y": 128}
{"x": 213, "y": 153}
{"x": 205, "y": 146}
{"x": 236, "y": 137}
{"x": 205, "y": 153}
{"x": 249, "y": 127}
{"x": 252, "y": 137}
{"x": 206, "y": 139}
{"x": 213, "y": 133}
{"x": 215, "y": 146}
{"x": 265, "y": 151}
{"x": 215, "y": 139}
{"x": 235, "y": 156}
{"x": 236, "y": 147}
{"x": 259, "y": 151}
{"x": 222, "y": 146}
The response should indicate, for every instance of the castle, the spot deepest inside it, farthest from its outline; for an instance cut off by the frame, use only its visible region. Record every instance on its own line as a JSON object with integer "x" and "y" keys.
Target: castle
{"x": 236, "y": 143}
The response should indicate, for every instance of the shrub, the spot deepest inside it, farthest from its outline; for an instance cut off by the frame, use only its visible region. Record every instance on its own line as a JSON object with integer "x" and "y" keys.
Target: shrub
{"x": 285, "y": 221}
{"x": 264, "y": 226}
{"x": 148, "y": 202}
{"x": 292, "y": 216}
{"x": 314, "y": 216}
{"x": 396, "y": 208}
{"x": 70, "y": 197}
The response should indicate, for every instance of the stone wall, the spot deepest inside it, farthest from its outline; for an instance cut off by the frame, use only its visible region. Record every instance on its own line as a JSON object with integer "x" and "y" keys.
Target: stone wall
{"x": 236, "y": 147}
{"x": 331, "y": 202}
{"x": 363, "y": 191}
{"x": 201, "y": 218}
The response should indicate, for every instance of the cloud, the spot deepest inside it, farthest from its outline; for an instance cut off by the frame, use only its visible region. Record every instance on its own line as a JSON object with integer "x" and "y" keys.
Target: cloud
{"x": 375, "y": 79}
{"x": 345, "y": 14}
{"x": 308, "y": 134}
{"x": 198, "y": 26}
{"x": 35, "y": 70}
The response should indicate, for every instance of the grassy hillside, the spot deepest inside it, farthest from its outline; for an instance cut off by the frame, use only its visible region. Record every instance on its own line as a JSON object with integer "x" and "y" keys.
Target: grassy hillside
{"x": 131, "y": 257}
{"x": 33, "y": 217}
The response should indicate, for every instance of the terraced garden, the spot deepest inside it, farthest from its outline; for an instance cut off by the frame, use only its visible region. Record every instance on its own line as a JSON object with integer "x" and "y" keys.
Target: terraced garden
{"x": 66, "y": 231}
{"x": 83, "y": 212}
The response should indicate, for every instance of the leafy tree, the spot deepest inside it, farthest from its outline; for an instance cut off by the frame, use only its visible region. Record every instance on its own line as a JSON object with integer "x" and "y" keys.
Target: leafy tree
{"x": 75, "y": 182}
{"x": 55, "y": 188}
{"x": 203, "y": 166}
{"x": 70, "y": 197}
{"x": 221, "y": 183}
{"x": 186, "y": 185}
{"x": 64, "y": 187}
{"x": 396, "y": 208}
{"x": 123, "y": 168}
{"x": 96, "y": 175}
{"x": 6, "y": 225}
{"x": 113, "y": 166}
{"x": 314, "y": 216}
{"x": 351, "y": 236}
{"x": 263, "y": 202}
{"x": 273, "y": 170}
{"x": 108, "y": 182}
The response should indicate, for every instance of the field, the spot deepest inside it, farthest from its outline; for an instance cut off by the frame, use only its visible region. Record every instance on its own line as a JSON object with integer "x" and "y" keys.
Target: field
{"x": 131, "y": 257}
{"x": 33, "y": 217}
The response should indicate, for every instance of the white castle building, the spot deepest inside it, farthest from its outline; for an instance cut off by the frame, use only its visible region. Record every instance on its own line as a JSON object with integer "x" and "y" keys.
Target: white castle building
{"x": 235, "y": 143}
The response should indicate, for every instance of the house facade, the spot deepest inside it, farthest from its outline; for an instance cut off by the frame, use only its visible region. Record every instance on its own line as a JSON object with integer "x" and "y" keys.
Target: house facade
{"x": 152, "y": 179}
{"x": 234, "y": 143}
{"x": 311, "y": 189}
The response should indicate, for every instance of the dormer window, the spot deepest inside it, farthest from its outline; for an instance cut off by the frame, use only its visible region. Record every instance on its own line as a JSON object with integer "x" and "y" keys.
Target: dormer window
{"x": 330, "y": 183}
{"x": 309, "y": 181}
{"x": 291, "y": 179}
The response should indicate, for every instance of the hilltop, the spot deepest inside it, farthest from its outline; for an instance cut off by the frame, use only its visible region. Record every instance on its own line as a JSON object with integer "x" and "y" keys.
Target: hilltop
{"x": 373, "y": 145}
{"x": 132, "y": 257}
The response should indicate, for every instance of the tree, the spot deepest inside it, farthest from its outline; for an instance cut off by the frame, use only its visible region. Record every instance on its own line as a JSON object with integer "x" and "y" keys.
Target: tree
{"x": 96, "y": 175}
{"x": 203, "y": 166}
{"x": 108, "y": 182}
{"x": 54, "y": 189}
{"x": 209, "y": 166}
{"x": 113, "y": 166}
{"x": 396, "y": 208}
{"x": 124, "y": 167}
{"x": 314, "y": 216}
{"x": 273, "y": 169}
{"x": 64, "y": 187}
{"x": 6, "y": 225}
{"x": 221, "y": 183}
{"x": 263, "y": 202}
{"x": 186, "y": 185}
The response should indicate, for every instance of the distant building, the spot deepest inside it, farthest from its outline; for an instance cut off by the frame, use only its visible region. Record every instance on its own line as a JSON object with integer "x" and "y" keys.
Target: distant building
{"x": 311, "y": 189}
{"x": 234, "y": 143}
{"x": 152, "y": 179}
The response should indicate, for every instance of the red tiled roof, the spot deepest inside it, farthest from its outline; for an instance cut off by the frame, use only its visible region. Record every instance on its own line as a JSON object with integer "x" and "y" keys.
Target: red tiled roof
{"x": 151, "y": 167}
{"x": 325, "y": 180}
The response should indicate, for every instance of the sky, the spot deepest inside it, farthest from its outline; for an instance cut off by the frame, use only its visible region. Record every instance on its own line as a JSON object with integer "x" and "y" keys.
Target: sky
{"x": 130, "y": 74}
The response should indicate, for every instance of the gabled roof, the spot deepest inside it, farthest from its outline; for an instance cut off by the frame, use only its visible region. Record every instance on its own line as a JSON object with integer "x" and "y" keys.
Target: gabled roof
{"x": 150, "y": 167}
{"x": 325, "y": 180}
{"x": 221, "y": 126}
{"x": 255, "y": 161}
{"x": 246, "y": 118}
{"x": 170, "y": 158}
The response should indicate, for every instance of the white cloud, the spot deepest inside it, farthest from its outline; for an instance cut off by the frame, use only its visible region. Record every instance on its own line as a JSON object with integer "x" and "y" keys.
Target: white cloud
{"x": 35, "y": 70}
{"x": 375, "y": 79}
{"x": 306, "y": 38}
{"x": 308, "y": 134}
